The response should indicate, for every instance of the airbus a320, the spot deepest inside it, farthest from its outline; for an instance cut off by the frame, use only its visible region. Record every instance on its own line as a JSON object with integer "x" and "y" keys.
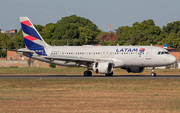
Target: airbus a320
{"x": 101, "y": 59}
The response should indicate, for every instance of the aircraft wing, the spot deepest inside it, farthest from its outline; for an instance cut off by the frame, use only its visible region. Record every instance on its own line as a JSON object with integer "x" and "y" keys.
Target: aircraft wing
{"x": 73, "y": 59}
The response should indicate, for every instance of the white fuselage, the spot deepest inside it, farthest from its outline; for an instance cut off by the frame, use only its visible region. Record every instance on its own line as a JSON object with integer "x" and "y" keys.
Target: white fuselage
{"x": 121, "y": 56}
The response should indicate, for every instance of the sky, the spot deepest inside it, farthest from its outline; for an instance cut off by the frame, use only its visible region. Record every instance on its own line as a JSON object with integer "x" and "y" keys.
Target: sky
{"x": 101, "y": 12}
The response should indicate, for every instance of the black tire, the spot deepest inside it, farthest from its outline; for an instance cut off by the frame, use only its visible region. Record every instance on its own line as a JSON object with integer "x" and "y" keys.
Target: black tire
{"x": 110, "y": 74}
{"x": 87, "y": 73}
{"x": 90, "y": 73}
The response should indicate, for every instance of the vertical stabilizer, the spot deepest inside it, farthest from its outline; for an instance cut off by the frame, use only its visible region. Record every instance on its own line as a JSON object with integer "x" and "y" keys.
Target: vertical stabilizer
{"x": 32, "y": 38}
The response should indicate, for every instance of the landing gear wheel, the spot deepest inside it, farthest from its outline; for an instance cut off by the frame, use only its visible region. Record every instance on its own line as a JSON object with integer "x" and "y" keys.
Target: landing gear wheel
{"x": 87, "y": 73}
{"x": 153, "y": 74}
{"x": 90, "y": 73}
{"x": 110, "y": 74}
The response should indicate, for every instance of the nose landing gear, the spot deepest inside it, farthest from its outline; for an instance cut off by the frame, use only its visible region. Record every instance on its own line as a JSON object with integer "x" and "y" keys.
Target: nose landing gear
{"x": 153, "y": 72}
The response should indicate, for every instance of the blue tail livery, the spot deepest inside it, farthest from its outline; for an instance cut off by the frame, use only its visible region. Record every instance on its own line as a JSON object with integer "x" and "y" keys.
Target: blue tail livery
{"x": 32, "y": 38}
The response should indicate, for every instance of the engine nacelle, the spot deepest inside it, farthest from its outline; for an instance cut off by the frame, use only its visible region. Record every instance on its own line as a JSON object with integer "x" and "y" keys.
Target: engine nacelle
{"x": 102, "y": 67}
{"x": 135, "y": 69}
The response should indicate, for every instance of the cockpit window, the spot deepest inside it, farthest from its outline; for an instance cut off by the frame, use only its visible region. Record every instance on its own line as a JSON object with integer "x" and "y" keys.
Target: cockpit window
{"x": 163, "y": 52}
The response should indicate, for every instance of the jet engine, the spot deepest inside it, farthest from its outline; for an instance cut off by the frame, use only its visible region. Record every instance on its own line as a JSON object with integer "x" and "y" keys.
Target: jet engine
{"x": 134, "y": 69}
{"x": 103, "y": 67}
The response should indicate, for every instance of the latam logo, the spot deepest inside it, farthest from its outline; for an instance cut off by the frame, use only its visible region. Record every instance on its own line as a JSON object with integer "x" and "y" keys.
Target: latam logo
{"x": 127, "y": 50}
{"x": 141, "y": 50}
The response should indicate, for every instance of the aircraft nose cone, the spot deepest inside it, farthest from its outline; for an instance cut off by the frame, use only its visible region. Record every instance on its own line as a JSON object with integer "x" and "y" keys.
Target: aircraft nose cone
{"x": 172, "y": 59}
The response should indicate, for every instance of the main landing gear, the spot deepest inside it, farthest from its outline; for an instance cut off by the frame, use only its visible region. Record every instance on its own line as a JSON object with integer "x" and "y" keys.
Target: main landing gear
{"x": 87, "y": 73}
{"x": 110, "y": 74}
{"x": 153, "y": 72}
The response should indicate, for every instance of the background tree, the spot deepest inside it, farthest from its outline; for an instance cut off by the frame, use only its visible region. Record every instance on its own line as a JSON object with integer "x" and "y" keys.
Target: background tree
{"x": 171, "y": 33}
{"x": 5, "y": 43}
{"x": 107, "y": 38}
{"x": 74, "y": 28}
{"x": 47, "y": 32}
{"x": 172, "y": 27}
{"x": 144, "y": 33}
{"x": 18, "y": 40}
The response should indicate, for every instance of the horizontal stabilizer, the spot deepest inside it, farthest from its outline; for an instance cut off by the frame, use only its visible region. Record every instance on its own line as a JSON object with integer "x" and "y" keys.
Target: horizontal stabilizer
{"x": 24, "y": 50}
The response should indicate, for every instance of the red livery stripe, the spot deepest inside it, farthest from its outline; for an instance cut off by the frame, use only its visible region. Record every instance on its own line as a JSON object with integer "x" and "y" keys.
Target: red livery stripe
{"x": 30, "y": 38}
{"x": 27, "y": 22}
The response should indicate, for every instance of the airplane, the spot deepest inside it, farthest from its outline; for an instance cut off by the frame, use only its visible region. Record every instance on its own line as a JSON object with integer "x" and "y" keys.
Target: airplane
{"x": 100, "y": 59}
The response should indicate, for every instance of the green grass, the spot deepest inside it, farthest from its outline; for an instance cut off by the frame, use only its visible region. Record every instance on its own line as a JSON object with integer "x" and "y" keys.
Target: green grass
{"x": 38, "y": 71}
{"x": 77, "y": 71}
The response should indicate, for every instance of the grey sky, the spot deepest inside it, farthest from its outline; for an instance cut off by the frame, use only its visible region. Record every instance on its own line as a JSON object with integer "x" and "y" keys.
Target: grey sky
{"x": 101, "y": 12}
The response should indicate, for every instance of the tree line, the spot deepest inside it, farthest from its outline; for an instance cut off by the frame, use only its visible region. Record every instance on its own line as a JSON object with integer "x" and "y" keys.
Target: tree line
{"x": 75, "y": 30}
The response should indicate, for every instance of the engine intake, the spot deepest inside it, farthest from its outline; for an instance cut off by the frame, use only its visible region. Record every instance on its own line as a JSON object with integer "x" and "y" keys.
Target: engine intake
{"x": 103, "y": 67}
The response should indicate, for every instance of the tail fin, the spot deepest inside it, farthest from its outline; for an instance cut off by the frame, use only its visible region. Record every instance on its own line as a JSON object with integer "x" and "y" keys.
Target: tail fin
{"x": 32, "y": 38}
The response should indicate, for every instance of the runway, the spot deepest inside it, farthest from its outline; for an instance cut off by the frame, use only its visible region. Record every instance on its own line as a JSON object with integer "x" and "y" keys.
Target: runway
{"x": 92, "y": 77}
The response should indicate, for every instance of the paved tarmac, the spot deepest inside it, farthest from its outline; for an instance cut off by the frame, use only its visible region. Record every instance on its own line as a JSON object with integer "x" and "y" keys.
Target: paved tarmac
{"x": 92, "y": 77}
